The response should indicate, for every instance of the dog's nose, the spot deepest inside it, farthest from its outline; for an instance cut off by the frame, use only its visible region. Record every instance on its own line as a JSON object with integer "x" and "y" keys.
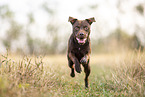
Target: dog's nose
{"x": 81, "y": 34}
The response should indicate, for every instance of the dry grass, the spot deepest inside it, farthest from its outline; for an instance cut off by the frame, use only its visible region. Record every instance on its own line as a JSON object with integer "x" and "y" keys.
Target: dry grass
{"x": 129, "y": 76}
{"x": 111, "y": 75}
{"x": 26, "y": 77}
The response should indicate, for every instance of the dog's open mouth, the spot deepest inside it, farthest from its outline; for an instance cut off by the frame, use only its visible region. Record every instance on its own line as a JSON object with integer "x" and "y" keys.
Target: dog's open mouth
{"x": 81, "y": 41}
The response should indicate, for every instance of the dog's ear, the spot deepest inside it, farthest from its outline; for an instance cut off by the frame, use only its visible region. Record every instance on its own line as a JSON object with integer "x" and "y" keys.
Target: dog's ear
{"x": 72, "y": 20}
{"x": 91, "y": 20}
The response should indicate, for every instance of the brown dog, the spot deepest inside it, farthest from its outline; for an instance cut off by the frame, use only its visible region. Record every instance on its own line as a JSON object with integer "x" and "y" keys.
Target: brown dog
{"x": 79, "y": 46}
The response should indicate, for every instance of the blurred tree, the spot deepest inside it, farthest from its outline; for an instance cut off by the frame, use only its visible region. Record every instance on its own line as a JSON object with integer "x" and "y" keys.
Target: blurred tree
{"x": 5, "y": 12}
{"x": 52, "y": 31}
{"x": 135, "y": 43}
{"x": 31, "y": 18}
{"x": 14, "y": 30}
{"x": 12, "y": 33}
{"x": 132, "y": 42}
{"x": 138, "y": 42}
{"x": 140, "y": 8}
{"x": 30, "y": 43}
{"x": 118, "y": 30}
{"x": 48, "y": 9}
{"x": 29, "y": 39}
{"x": 38, "y": 46}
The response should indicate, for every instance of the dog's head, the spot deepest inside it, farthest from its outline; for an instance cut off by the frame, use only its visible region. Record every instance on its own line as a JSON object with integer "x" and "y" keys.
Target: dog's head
{"x": 81, "y": 29}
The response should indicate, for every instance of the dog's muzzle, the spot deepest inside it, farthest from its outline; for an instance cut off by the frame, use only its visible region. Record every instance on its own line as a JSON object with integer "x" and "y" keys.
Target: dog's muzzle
{"x": 81, "y": 41}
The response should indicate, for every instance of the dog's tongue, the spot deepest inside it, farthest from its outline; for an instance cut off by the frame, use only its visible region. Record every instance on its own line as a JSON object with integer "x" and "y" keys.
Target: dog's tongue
{"x": 81, "y": 40}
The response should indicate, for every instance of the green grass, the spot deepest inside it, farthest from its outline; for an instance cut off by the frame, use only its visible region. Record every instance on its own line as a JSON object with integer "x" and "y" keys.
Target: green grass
{"x": 111, "y": 75}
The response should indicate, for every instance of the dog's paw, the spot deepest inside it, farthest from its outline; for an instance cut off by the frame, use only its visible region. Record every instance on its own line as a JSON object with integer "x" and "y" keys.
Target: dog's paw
{"x": 72, "y": 75}
{"x": 84, "y": 60}
{"x": 78, "y": 68}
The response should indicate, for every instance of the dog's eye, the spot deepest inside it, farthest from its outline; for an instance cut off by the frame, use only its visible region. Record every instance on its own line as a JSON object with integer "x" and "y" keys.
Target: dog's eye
{"x": 77, "y": 28}
{"x": 86, "y": 28}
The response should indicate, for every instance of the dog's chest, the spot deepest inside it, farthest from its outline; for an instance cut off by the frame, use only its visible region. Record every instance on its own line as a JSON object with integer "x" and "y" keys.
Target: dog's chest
{"x": 79, "y": 48}
{"x": 79, "y": 52}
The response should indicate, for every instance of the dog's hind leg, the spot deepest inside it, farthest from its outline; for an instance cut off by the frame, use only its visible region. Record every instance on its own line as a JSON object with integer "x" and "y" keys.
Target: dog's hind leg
{"x": 87, "y": 73}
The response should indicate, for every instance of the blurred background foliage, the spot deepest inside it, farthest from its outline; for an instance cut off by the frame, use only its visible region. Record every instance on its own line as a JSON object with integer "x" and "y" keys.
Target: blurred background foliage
{"x": 18, "y": 38}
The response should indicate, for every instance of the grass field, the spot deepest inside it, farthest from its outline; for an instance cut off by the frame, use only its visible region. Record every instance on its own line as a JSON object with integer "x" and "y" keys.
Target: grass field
{"x": 44, "y": 76}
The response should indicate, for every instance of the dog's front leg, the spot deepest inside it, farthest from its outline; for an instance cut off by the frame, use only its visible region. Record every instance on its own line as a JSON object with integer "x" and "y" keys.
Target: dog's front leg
{"x": 85, "y": 63}
{"x": 85, "y": 59}
{"x": 87, "y": 72}
{"x": 76, "y": 62}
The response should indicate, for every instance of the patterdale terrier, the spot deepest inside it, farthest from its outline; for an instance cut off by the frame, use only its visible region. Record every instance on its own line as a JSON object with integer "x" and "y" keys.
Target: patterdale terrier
{"x": 79, "y": 47}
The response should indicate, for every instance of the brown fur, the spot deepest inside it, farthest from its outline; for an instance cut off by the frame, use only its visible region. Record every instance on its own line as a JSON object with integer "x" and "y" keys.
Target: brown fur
{"x": 79, "y": 47}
